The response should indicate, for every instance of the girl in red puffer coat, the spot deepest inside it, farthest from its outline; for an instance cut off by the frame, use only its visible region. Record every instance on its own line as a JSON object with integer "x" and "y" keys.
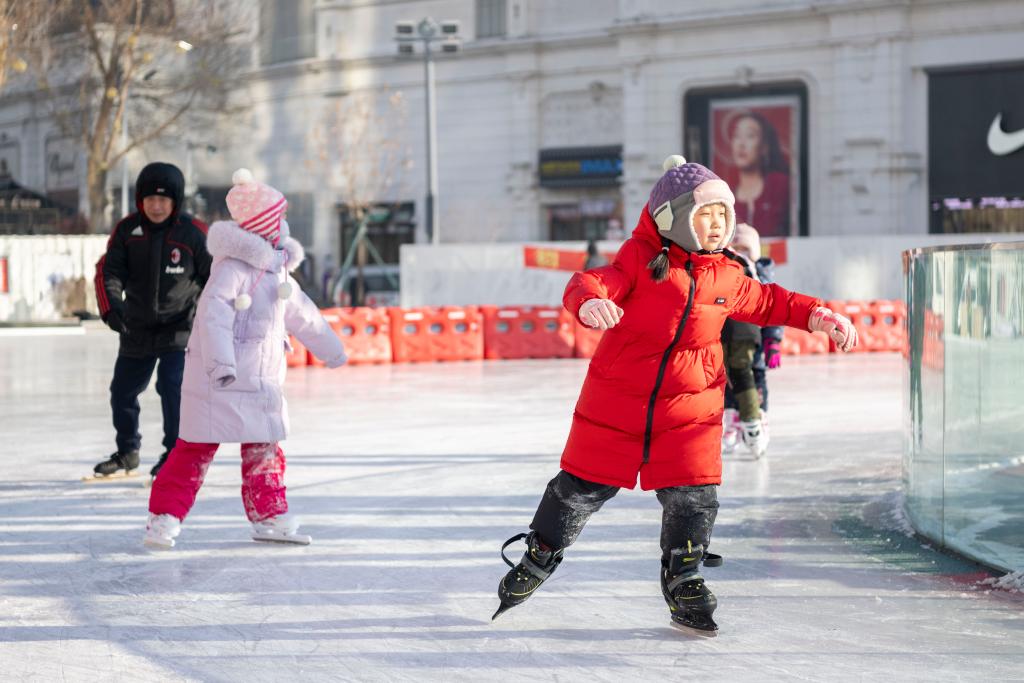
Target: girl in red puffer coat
{"x": 651, "y": 404}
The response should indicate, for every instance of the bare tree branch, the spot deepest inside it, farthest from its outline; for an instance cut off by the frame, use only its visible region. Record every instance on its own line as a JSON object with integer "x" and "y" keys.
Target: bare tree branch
{"x": 110, "y": 50}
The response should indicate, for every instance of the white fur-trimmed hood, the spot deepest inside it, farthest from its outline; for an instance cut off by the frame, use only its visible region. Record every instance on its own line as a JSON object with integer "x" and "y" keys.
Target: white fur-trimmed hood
{"x": 226, "y": 239}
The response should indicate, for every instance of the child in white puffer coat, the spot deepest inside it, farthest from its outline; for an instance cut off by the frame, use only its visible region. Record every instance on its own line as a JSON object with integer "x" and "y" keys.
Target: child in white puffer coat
{"x": 235, "y": 366}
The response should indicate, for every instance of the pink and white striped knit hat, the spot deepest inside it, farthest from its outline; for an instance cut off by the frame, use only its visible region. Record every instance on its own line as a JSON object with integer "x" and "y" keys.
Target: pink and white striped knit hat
{"x": 256, "y": 207}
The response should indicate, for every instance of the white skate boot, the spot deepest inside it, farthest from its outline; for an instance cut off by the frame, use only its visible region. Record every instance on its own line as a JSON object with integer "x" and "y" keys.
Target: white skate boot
{"x": 161, "y": 531}
{"x": 730, "y": 430}
{"x": 279, "y": 529}
{"x": 755, "y": 436}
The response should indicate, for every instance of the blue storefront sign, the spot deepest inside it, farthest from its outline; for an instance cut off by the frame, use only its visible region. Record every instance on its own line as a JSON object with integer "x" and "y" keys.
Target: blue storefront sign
{"x": 580, "y": 166}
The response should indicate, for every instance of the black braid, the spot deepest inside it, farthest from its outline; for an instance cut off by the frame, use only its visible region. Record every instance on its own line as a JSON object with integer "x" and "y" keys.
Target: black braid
{"x": 659, "y": 265}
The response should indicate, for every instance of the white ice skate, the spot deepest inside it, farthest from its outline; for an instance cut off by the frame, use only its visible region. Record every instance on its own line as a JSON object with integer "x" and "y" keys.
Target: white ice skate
{"x": 280, "y": 529}
{"x": 730, "y": 430}
{"x": 755, "y": 436}
{"x": 161, "y": 531}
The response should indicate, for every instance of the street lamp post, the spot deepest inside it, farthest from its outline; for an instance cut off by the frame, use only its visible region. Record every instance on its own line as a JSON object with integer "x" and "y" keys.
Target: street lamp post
{"x": 428, "y": 31}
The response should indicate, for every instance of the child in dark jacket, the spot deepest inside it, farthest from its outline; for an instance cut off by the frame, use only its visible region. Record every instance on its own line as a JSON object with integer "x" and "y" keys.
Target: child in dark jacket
{"x": 748, "y": 349}
{"x": 651, "y": 404}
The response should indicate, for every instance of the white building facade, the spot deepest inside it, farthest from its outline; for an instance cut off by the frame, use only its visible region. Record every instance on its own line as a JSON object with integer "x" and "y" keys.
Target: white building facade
{"x": 554, "y": 118}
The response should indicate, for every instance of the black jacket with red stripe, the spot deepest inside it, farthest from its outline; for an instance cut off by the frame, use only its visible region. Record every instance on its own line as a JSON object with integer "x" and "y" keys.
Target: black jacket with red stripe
{"x": 152, "y": 274}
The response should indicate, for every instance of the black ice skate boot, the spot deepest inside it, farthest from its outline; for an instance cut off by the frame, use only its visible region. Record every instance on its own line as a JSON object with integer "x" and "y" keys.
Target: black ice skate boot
{"x": 527, "y": 576}
{"x": 690, "y": 601}
{"x": 159, "y": 463}
{"x": 118, "y": 464}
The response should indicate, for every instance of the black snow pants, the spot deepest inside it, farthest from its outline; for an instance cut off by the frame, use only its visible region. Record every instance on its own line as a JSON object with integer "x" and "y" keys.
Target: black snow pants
{"x": 131, "y": 377}
{"x": 688, "y": 512}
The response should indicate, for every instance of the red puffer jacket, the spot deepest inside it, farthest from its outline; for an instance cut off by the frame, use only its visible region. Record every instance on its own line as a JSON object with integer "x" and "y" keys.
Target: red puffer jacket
{"x": 652, "y": 400}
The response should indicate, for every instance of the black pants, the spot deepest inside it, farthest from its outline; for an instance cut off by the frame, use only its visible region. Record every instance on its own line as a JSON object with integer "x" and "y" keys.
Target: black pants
{"x": 131, "y": 377}
{"x": 688, "y": 512}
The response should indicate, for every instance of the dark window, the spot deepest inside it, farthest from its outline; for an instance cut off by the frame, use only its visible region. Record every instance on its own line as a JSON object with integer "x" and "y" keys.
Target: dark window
{"x": 287, "y": 31}
{"x": 389, "y": 226}
{"x": 975, "y": 156}
{"x": 490, "y": 18}
{"x": 587, "y": 220}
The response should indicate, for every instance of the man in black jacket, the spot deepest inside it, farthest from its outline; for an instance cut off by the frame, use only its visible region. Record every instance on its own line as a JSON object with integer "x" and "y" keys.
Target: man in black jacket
{"x": 147, "y": 286}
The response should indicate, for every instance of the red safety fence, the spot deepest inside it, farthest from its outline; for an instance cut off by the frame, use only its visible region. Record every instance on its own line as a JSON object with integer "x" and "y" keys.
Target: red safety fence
{"x": 933, "y": 351}
{"x": 448, "y": 333}
{"x": 587, "y": 339}
{"x": 295, "y": 353}
{"x": 436, "y": 334}
{"x": 881, "y": 325}
{"x": 365, "y": 332}
{"x": 527, "y": 332}
{"x": 800, "y": 342}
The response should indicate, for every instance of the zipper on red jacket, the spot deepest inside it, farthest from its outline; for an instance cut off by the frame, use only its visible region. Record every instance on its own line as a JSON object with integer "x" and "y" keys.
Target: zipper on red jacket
{"x": 664, "y": 361}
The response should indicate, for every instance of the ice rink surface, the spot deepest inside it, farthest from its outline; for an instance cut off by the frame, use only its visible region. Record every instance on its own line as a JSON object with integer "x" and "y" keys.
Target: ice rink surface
{"x": 409, "y": 478}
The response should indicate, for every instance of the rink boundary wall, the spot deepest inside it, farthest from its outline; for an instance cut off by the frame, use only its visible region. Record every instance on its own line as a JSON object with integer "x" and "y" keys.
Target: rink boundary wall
{"x": 964, "y": 421}
{"x": 453, "y": 333}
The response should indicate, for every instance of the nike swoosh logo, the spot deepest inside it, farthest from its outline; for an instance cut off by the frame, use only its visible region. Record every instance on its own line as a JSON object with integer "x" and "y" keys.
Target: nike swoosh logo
{"x": 1001, "y": 143}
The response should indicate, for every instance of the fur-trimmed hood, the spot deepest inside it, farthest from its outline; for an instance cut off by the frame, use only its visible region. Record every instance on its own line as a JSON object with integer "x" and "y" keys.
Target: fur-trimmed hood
{"x": 226, "y": 239}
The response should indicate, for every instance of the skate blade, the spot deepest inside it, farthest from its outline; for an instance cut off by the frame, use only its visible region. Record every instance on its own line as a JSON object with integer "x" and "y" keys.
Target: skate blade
{"x": 108, "y": 478}
{"x": 501, "y": 610}
{"x": 693, "y": 630}
{"x": 153, "y": 544}
{"x": 290, "y": 539}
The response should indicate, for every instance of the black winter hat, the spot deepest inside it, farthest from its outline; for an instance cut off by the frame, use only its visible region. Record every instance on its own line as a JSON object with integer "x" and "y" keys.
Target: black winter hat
{"x": 160, "y": 178}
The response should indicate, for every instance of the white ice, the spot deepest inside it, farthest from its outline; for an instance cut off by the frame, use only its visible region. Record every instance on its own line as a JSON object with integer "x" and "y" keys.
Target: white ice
{"x": 409, "y": 477}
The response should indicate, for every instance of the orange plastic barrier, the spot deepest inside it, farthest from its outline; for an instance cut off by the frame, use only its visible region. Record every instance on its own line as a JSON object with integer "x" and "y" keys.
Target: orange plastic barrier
{"x": 800, "y": 342}
{"x": 859, "y": 312}
{"x": 889, "y": 329}
{"x": 527, "y": 332}
{"x": 933, "y": 353}
{"x": 296, "y": 358}
{"x": 366, "y": 333}
{"x": 881, "y": 325}
{"x": 436, "y": 334}
{"x": 587, "y": 339}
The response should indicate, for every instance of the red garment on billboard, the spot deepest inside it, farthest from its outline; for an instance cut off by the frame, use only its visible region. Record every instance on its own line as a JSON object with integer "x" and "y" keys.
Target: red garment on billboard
{"x": 606, "y": 444}
{"x": 770, "y": 215}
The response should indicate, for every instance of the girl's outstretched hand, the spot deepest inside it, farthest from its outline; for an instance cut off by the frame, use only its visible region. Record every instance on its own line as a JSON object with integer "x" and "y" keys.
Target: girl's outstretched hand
{"x": 600, "y": 313}
{"x": 837, "y": 327}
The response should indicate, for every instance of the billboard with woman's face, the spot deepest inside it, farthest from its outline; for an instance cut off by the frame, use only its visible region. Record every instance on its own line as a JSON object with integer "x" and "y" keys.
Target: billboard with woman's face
{"x": 754, "y": 145}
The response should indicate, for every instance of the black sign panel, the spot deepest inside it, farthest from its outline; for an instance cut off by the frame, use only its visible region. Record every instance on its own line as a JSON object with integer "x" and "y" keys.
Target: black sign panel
{"x": 976, "y": 133}
{"x": 580, "y": 166}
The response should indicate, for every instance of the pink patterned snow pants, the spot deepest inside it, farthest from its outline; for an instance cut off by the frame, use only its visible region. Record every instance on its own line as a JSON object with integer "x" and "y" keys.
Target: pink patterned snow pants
{"x": 263, "y": 491}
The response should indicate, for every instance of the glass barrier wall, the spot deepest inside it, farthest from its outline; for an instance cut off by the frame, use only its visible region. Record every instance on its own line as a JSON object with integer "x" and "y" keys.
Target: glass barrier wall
{"x": 963, "y": 462}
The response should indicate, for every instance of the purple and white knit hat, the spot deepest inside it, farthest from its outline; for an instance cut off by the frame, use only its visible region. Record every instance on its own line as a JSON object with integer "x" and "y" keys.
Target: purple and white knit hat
{"x": 680, "y": 193}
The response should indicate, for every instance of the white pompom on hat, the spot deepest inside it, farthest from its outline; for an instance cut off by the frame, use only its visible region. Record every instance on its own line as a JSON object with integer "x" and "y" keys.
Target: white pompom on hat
{"x": 672, "y": 161}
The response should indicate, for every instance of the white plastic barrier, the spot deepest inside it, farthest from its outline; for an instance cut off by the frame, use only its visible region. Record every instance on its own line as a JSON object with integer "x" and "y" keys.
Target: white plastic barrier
{"x": 48, "y": 276}
{"x": 854, "y": 268}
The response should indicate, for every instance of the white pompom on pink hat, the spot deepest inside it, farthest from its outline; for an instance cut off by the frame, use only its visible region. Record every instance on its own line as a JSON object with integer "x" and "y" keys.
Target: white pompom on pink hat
{"x": 256, "y": 207}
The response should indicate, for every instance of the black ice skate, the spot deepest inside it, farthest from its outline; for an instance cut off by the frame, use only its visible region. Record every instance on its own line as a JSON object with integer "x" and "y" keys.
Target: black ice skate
{"x": 690, "y": 601}
{"x": 527, "y": 576}
{"x": 159, "y": 463}
{"x": 117, "y": 466}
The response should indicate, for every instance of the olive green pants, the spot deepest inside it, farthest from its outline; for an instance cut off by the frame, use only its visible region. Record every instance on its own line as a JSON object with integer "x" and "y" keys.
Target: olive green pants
{"x": 739, "y": 366}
